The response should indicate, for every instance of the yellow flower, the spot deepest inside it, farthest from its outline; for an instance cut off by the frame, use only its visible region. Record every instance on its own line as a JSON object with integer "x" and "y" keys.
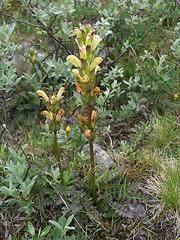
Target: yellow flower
{"x": 42, "y": 94}
{"x": 95, "y": 91}
{"x": 176, "y": 96}
{"x": 87, "y": 28}
{"x": 74, "y": 60}
{"x": 88, "y": 133}
{"x": 80, "y": 88}
{"x": 54, "y": 99}
{"x": 82, "y": 119}
{"x": 93, "y": 115}
{"x": 97, "y": 69}
{"x": 83, "y": 79}
{"x": 95, "y": 41}
{"x": 89, "y": 39}
{"x": 95, "y": 63}
{"x": 82, "y": 51}
{"x": 60, "y": 92}
{"x": 68, "y": 129}
{"x": 76, "y": 73}
{"x": 59, "y": 114}
{"x": 48, "y": 115}
{"x": 77, "y": 32}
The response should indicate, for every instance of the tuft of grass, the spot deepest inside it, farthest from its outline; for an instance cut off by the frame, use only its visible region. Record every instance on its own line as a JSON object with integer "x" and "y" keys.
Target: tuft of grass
{"x": 165, "y": 132}
{"x": 165, "y": 185}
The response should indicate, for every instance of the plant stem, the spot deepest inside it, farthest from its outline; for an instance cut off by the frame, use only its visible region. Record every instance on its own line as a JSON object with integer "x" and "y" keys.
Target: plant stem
{"x": 56, "y": 152}
{"x": 91, "y": 149}
{"x": 92, "y": 176}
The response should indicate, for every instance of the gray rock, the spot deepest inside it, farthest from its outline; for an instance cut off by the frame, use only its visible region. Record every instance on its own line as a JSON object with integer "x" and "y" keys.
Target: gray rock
{"x": 102, "y": 160}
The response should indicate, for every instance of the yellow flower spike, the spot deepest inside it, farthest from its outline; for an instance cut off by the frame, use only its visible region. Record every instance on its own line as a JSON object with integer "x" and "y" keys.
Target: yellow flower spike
{"x": 82, "y": 119}
{"x": 60, "y": 92}
{"x": 88, "y": 133}
{"x": 48, "y": 115}
{"x": 95, "y": 41}
{"x": 74, "y": 60}
{"x": 93, "y": 115}
{"x": 95, "y": 63}
{"x": 68, "y": 129}
{"x": 95, "y": 91}
{"x": 59, "y": 114}
{"x": 42, "y": 94}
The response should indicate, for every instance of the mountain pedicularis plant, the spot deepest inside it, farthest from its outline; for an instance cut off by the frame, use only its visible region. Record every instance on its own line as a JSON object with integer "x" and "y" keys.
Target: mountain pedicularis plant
{"x": 87, "y": 66}
{"x": 54, "y": 114}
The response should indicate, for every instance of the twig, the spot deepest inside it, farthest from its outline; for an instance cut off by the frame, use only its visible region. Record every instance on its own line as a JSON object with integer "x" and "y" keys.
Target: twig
{"x": 19, "y": 21}
{"x": 3, "y": 130}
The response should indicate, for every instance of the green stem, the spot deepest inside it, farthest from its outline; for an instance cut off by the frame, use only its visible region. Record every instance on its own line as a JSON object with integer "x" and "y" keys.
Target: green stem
{"x": 92, "y": 177}
{"x": 56, "y": 152}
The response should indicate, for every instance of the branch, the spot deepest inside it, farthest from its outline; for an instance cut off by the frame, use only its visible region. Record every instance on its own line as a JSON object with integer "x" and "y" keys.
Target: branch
{"x": 19, "y": 21}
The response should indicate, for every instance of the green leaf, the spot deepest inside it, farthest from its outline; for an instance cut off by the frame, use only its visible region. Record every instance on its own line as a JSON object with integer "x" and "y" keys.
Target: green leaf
{"x": 11, "y": 29}
{"x": 62, "y": 222}
{"x": 57, "y": 234}
{"x": 6, "y": 191}
{"x": 31, "y": 229}
{"x": 56, "y": 224}
{"x": 45, "y": 231}
{"x": 69, "y": 220}
{"x": 2, "y": 36}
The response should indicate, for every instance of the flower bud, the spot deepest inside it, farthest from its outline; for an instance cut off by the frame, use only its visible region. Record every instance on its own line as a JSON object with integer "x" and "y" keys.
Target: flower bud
{"x": 59, "y": 114}
{"x": 95, "y": 91}
{"x": 88, "y": 133}
{"x": 80, "y": 87}
{"x": 89, "y": 39}
{"x": 82, "y": 119}
{"x": 48, "y": 115}
{"x": 68, "y": 129}
{"x": 176, "y": 96}
{"x": 93, "y": 115}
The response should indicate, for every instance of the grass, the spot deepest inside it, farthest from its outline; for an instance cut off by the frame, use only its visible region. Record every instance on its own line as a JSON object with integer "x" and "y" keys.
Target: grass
{"x": 165, "y": 132}
{"x": 165, "y": 185}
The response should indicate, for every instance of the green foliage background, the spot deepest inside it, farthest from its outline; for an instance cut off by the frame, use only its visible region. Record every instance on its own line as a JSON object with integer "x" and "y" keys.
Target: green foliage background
{"x": 139, "y": 79}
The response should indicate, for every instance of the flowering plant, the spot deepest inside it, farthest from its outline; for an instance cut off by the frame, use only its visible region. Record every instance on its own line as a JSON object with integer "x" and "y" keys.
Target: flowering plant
{"x": 54, "y": 114}
{"x": 87, "y": 66}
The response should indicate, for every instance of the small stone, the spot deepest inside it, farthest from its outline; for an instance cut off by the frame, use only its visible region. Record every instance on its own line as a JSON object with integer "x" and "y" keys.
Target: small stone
{"x": 102, "y": 160}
